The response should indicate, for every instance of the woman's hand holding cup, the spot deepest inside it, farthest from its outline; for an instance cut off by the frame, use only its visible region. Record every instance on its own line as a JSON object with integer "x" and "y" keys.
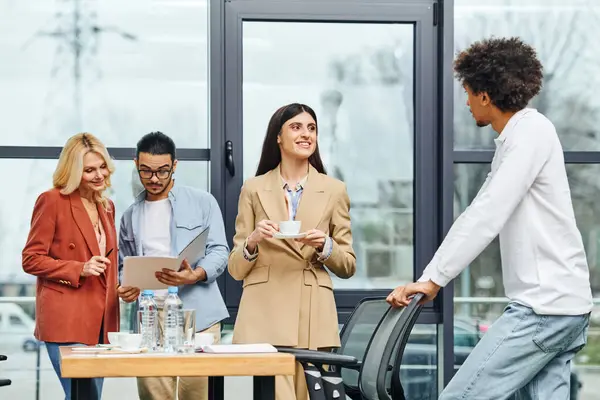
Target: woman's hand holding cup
{"x": 265, "y": 229}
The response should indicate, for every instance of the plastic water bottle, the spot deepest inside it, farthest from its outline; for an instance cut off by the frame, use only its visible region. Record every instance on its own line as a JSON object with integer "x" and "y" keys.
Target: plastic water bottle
{"x": 149, "y": 317}
{"x": 173, "y": 321}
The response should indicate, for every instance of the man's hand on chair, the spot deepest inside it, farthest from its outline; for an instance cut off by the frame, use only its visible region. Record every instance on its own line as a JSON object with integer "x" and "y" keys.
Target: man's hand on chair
{"x": 402, "y": 295}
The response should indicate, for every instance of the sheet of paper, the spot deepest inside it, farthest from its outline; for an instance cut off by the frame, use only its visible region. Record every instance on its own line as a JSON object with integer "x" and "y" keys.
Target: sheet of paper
{"x": 195, "y": 249}
{"x": 138, "y": 271}
{"x": 239, "y": 348}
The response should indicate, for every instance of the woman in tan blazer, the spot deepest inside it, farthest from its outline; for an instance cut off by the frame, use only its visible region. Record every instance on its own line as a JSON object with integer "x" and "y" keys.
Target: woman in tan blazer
{"x": 287, "y": 297}
{"x": 72, "y": 250}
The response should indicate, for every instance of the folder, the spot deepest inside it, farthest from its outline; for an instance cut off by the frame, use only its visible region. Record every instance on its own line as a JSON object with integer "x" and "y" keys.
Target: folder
{"x": 138, "y": 271}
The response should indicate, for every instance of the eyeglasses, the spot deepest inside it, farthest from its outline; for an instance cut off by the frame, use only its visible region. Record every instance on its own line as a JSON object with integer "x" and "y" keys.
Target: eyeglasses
{"x": 160, "y": 174}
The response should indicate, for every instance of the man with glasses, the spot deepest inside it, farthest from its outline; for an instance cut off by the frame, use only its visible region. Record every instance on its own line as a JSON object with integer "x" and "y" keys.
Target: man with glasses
{"x": 162, "y": 221}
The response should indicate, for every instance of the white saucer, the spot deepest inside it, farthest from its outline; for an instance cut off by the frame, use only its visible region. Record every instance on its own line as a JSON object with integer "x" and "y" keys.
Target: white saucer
{"x": 289, "y": 235}
{"x": 82, "y": 349}
{"x": 135, "y": 350}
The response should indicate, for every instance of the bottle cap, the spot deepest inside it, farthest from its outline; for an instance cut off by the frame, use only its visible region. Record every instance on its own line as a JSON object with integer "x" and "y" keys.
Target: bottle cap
{"x": 148, "y": 292}
{"x": 173, "y": 289}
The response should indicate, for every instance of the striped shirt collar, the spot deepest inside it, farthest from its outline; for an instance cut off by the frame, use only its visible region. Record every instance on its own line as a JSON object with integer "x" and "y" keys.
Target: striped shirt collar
{"x": 299, "y": 185}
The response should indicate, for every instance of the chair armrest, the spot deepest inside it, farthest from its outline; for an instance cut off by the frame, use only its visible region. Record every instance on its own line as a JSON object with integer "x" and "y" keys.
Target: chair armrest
{"x": 320, "y": 357}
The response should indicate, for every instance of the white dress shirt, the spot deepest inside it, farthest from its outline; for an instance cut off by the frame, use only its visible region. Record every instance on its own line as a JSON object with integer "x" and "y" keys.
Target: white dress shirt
{"x": 526, "y": 200}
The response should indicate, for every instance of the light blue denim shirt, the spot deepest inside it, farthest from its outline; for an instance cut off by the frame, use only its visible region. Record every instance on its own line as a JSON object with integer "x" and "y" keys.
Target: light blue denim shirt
{"x": 193, "y": 210}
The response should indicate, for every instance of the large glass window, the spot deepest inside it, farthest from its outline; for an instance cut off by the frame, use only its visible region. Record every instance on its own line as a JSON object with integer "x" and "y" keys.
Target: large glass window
{"x": 484, "y": 274}
{"x": 479, "y": 290}
{"x": 16, "y": 332}
{"x": 418, "y": 371}
{"x": 361, "y": 87}
{"x": 560, "y": 31}
{"x": 34, "y": 177}
{"x": 116, "y": 69}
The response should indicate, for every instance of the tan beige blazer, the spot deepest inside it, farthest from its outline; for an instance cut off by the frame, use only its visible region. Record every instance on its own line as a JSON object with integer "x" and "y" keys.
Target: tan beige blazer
{"x": 287, "y": 297}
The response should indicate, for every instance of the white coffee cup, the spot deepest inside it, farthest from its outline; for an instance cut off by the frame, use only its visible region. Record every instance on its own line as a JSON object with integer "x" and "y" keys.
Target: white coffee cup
{"x": 114, "y": 338}
{"x": 131, "y": 341}
{"x": 290, "y": 227}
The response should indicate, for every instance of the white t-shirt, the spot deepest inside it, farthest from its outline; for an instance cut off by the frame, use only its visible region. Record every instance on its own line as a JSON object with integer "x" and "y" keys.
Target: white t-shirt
{"x": 156, "y": 235}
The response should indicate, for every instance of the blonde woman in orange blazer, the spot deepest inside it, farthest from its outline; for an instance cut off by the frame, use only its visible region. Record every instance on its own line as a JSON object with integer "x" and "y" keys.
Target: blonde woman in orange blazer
{"x": 287, "y": 297}
{"x": 72, "y": 233}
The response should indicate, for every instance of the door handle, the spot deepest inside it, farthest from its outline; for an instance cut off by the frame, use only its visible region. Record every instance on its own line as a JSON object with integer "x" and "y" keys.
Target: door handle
{"x": 229, "y": 164}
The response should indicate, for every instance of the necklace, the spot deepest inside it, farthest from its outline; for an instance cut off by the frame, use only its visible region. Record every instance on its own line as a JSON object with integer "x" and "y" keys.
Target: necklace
{"x": 92, "y": 211}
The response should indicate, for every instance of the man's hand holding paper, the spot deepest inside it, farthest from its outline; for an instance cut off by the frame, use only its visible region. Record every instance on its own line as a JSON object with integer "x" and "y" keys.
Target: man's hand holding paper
{"x": 159, "y": 272}
{"x": 185, "y": 276}
{"x": 128, "y": 293}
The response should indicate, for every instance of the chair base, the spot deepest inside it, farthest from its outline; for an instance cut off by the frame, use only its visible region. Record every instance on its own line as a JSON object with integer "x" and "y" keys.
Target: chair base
{"x": 314, "y": 382}
{"x": 334, "y": 386}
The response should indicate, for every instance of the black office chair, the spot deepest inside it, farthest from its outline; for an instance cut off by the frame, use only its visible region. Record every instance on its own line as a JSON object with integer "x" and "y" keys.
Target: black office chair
{"x": 354, "y": 340}
{"x": 376, "y": 380}
{"x": 409, "y": 319}
{"x": 360, "y": 368}
{"x": 4, "y": 382}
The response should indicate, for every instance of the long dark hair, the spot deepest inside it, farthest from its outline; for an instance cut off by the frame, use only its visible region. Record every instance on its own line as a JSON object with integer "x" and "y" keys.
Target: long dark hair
{"x": 270, "y": 156}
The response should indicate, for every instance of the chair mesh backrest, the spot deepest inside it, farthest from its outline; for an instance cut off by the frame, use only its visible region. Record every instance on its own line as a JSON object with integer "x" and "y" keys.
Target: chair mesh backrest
{"x": 373, "y": 357}
{"x": 410, "y": 318}
{"x": 358, "y": 331}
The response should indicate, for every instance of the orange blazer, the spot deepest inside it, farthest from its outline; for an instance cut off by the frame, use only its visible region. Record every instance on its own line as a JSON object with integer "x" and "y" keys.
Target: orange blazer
{"x": 70, "y": 308}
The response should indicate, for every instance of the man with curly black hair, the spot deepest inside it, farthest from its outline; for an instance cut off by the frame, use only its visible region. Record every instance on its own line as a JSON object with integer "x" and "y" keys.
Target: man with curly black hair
{"x": 526, "y": 200}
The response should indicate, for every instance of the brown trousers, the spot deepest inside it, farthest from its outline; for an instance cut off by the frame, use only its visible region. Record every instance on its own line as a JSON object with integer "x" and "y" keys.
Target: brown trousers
{"x": 181, "y": 388}
{"x": 293, "y": 387}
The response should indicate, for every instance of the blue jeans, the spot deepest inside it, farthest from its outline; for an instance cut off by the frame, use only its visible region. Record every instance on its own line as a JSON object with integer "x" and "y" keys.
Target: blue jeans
{"x": 522, "y": 355}
{"x": 54, "y": 354}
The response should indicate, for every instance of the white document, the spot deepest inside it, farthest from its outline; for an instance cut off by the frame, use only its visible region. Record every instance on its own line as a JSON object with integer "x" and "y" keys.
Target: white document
{"x": 195, "y": 249}
{"x": 239, "y": 348}
{"x": 138, "y": 271}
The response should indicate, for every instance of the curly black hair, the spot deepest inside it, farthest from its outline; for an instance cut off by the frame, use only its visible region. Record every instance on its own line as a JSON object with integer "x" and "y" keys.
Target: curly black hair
{"x": 506, "y": 69}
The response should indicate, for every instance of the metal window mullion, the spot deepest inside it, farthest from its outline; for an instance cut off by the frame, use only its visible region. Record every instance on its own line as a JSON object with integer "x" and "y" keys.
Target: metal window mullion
{"x": 486, "y": 156}
{"x": 117, "y": 153}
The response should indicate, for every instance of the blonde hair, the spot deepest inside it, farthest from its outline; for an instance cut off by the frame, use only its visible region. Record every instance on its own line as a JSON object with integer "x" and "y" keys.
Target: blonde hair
{"x": 68, "y": 173}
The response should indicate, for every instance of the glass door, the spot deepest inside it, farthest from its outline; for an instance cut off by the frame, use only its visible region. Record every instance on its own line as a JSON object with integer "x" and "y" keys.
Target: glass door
{"x": 369, "y": 73}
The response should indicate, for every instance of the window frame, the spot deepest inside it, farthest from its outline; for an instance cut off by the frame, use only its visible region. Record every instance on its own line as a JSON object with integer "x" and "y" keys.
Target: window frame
{"x": 425, "y": 190}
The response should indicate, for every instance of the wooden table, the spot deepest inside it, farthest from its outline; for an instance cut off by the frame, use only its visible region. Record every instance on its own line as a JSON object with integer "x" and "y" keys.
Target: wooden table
{"x": 81, "y": 367}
